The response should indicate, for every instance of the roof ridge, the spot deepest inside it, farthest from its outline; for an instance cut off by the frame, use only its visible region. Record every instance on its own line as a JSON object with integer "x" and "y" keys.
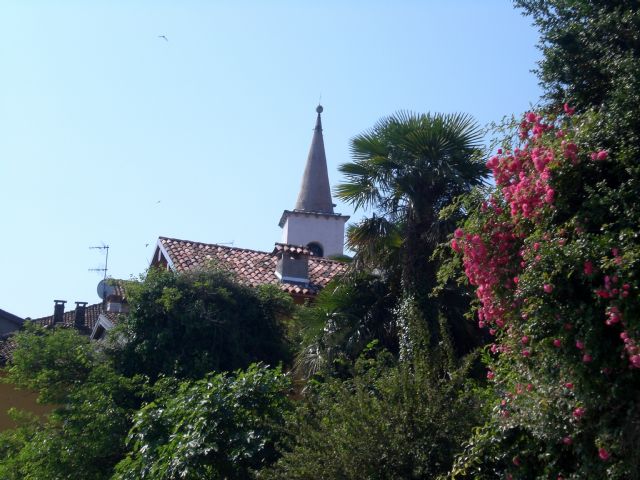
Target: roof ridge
{"x": 215, "y": 245}
{"x": 315, "y": 259}
{"x": 67, "y": 311}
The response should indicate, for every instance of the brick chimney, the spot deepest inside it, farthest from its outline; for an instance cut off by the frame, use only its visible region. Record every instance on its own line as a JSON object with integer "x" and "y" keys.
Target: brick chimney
{"x": 293, "y": 263}
{"x": 81, "y": 309}
{"x": 58, "y": 311}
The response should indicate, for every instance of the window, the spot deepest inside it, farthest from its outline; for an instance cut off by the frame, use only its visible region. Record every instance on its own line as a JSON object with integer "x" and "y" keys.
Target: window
{"x": 316, "y": 249}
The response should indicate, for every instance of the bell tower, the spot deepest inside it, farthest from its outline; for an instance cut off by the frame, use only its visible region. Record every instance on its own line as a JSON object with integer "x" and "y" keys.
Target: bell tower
{"x": 313, "y": 223}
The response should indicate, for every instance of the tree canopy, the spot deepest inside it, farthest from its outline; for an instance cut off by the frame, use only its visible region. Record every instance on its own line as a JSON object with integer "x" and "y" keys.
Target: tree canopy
{"x": 406, "y": 169}
{"x": 189, "y": 324}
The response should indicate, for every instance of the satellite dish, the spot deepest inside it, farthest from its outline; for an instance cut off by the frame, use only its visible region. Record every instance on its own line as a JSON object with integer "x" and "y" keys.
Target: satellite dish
{"x": 105, "y": 290}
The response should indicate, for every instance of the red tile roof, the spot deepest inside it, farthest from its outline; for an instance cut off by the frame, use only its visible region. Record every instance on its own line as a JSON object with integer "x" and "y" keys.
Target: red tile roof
{"x": 91, "y": 314}
{"x": 250, "y": 267}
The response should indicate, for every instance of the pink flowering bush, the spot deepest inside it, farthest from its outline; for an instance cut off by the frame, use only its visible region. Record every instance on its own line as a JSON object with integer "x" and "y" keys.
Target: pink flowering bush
{"x": 554, "y": 256}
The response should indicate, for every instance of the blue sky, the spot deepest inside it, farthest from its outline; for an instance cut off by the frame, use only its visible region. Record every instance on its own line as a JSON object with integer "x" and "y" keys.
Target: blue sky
{"x": 110, "y": 134}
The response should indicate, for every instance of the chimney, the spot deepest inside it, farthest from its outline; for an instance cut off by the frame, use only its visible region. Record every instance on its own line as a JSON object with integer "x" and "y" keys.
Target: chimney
{"x": 58, "y": 311}
{"x": 81, "y": 308}
{"x": 293, "y": 263}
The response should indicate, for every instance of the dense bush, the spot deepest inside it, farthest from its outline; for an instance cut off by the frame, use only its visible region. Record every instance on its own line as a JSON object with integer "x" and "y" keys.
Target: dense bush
{"x": 189, "y": 324}
{"x": 84, "y": 436}
{"x": 389, "y": 421}
{"x": 223, "y": 426}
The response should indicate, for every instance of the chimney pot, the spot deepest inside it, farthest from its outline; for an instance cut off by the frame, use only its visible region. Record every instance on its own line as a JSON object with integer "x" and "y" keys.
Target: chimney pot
{"x": 81, "y": 308}
{"x": 292, "y": 265}
{"x": 58, "y": 311}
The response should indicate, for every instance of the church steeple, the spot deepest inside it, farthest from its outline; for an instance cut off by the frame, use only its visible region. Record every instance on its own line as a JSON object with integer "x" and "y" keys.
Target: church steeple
{"x": 315, "y": 192}
{"x": 313, "y": 223}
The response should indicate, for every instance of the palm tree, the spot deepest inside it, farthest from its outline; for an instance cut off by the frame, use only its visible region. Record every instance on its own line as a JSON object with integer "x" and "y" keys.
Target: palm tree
{"x": 405, "y": 170}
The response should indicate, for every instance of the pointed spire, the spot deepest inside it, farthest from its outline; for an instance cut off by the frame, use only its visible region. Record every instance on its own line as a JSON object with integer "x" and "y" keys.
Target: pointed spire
{"x": 315, "y": 193}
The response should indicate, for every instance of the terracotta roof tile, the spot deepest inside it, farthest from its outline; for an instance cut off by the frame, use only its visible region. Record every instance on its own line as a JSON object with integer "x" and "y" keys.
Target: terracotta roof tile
{"x": 250, "y": 267}
{"x": 297, "y": 249}
{"x": 91, "y": 314}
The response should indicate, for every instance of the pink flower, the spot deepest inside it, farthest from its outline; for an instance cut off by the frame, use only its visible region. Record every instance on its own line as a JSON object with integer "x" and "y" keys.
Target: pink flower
{"x": 586, "y": 358}
{"x": 588, "y": 268}
{"x": 567, "y": 440}
{"x": 568, "y": 110}
{"x": 459, "y": 233}
{"x": 547, "y": 287}
{"x": 579, "y": 345}
{"x": 531, "y": 117}
{"x": 524, "y": 340}
{"x": 603, "y": 454}
{"x": 602, "y": 155}
{"x": 529, "y": 387}
{"x": 516, "y": 461}
{"x": 526, "y": 353}
{"x": 490, "y": 375}
{"x": 569, "y": 385}
{"x": 579, "y": 412}
{"x": 557, "y": 343}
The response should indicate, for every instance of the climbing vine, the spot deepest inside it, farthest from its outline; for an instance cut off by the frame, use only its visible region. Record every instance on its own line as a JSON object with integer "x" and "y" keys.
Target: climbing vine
{"x": 553, "y": 255}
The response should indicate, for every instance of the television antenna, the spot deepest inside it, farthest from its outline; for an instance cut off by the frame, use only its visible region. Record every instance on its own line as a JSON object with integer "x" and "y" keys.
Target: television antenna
{"x": 106, "y": 260}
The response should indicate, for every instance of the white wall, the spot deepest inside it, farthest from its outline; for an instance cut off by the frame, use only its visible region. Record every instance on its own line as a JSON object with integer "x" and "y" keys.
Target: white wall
{"x": 327, "y": 230}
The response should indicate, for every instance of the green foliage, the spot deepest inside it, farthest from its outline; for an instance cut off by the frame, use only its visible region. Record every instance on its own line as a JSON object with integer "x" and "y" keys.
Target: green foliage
{"x": 389, "y": 421}
{"x": 188, "y": 324}
{"x": 84, "y": 436}
{"x": 406, "y": 169}
{"x": 12, "y": 441}
{"x": 50, "y": 361}
{"x": 592, "y": 60}
{"x": 346, "y": 317}
{"x": 221, "y": 427}
{"x": 563, "y": 301}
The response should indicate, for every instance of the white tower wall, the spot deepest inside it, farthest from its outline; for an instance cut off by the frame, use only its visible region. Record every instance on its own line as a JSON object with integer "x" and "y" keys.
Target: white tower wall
{"x": 304, "y": 228}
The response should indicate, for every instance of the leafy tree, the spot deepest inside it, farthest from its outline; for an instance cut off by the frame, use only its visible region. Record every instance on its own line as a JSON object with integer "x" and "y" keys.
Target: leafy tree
{"x": 406, "y": 169}
{"x": 50, "y": 361}
{"x": 389, "y": 421}
{"x": 592, "y": 60}
{"x": 554, "y": 255}
{"x": 84, "y": 436}
{"x": 223, "y": 426}
{"x": 188, "y": 324}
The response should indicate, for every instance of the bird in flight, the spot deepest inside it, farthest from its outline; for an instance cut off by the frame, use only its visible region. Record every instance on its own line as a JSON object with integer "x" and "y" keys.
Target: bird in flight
{"x": 163, "y": 36}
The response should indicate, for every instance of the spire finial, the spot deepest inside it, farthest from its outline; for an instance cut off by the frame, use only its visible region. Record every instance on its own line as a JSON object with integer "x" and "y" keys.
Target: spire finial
{"x": 315, "y": 192}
